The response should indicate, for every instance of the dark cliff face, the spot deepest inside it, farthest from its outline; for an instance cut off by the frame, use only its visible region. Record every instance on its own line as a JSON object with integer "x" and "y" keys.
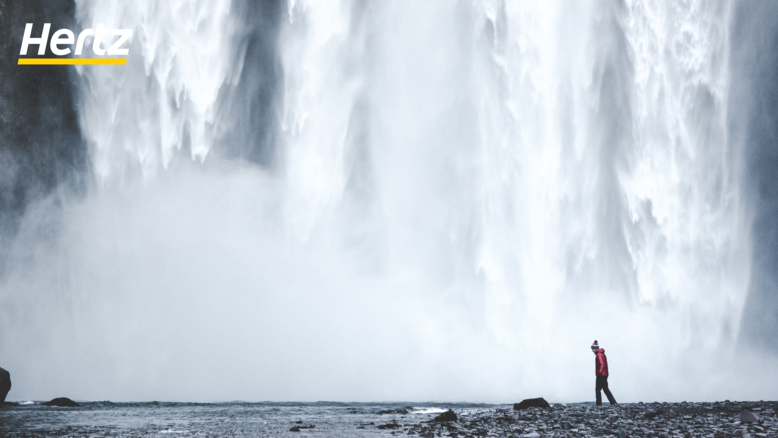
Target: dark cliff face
{"x": 753, "y": 121}
{"x": 40, "y": 141}
{"x": 248, "y": 109}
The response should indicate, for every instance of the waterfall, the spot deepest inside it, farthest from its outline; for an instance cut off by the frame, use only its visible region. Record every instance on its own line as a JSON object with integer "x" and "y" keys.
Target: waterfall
{"x": 455, "y": 199}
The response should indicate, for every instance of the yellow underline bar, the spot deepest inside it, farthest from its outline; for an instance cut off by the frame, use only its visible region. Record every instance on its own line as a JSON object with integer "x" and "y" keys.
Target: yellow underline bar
{"x": 72, "y": 61}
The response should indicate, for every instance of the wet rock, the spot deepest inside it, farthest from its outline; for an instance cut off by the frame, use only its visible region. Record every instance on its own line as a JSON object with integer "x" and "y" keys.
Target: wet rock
{"x": 449, "y": 415}
{"x": 749, "y": 417}
{"x": 5, "y": 384}
{"x": 62, "y": 402}
{"x": 399, "y": 411}
{"x": 531, "y": 403}
{"x": 389, "y": 426}
{"x": 298, "y": 428}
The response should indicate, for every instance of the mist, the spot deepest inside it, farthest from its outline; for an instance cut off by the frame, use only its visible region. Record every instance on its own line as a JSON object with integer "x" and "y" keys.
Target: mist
{"x": 403, "y": 202}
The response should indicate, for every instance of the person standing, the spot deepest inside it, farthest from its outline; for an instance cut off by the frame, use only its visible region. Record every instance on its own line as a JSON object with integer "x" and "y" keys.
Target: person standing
{"x": 601, "y": 370}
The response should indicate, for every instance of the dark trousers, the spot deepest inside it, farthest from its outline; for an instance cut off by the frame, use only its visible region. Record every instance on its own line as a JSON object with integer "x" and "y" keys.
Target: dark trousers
{"x": 602, "y": 384}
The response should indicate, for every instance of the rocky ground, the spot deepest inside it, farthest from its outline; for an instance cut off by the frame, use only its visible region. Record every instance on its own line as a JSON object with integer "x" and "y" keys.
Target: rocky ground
{"x": 660, "y": 420}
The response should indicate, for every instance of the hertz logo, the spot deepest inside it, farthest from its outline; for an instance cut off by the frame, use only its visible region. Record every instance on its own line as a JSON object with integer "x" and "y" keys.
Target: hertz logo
{"x": 63, "y": 40}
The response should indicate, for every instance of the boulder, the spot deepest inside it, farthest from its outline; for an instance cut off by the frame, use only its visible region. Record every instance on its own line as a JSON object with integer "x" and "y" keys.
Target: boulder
{"x": 449, "y": 415}
{"x": 531, "y": 403}
{"x": 62, "y": 402}
{"x": 749, "y": 417}
{"x": 5, "y": 384}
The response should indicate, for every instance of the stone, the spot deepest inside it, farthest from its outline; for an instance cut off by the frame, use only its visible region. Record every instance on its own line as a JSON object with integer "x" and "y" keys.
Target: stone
{"x": 297, "y": 428}
{"x": 653, "y": 414}
{"x": 400, "y": 411}
{"x": 449, "y": 415}
{"x": 674, "y": 420}
{"x": 389, "y": 426}
{"x": 531, "y": 403}
{"x": 62, "y": 402}
{"x": 5, "y": 384}
{"x": 749, "y": 417}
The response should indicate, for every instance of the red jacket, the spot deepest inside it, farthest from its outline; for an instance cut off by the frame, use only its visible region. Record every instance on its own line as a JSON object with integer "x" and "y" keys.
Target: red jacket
{"x": 601, "y": 363}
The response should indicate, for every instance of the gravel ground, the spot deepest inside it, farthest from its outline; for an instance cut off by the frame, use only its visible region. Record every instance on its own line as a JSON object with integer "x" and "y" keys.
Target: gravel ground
{"x": 660, "y": 420}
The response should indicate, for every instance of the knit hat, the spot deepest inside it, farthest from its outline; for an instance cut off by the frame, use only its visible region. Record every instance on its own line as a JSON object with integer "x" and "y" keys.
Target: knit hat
{"x": 595, "y": 346}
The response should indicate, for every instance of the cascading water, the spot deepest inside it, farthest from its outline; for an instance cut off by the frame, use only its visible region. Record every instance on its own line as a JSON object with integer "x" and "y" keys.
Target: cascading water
{"x": 461, "y": 197}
